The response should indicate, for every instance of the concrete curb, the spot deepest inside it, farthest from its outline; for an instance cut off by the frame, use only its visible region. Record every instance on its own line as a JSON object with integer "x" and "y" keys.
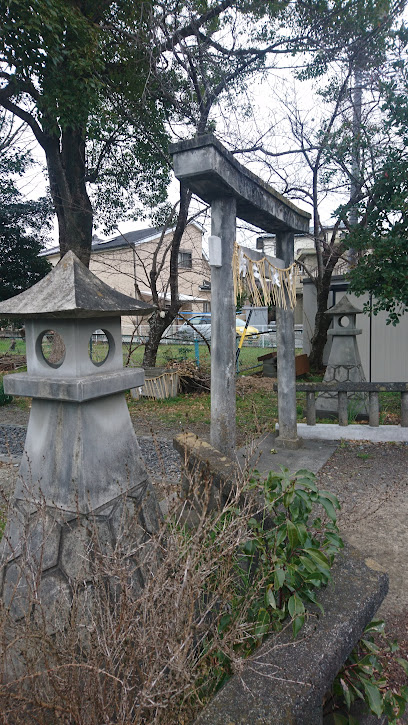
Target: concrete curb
{"x": 335, "y": 432}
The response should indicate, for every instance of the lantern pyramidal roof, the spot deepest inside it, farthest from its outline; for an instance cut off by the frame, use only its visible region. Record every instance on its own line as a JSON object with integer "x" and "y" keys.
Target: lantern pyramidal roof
{"x": 343, "y": 307}
{"x": 70, "y": 290}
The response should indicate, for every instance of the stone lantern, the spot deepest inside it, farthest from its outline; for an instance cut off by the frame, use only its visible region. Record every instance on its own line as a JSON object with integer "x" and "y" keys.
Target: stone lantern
{"x": 81, "y": 468}
{"x": 344, "y": 364}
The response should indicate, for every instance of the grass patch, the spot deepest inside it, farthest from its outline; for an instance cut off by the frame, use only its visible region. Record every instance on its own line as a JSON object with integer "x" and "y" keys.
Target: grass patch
{"x": 6, "y": 342}
{"x": 174, "y": 412}
{"x": 256, "y": 412}
{"x": 390, "y": 407}
{"x": 168, "y": 354}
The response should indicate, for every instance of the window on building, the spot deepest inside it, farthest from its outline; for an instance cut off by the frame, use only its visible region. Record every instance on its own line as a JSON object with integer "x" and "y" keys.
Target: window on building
{"x": 185, "y": 259}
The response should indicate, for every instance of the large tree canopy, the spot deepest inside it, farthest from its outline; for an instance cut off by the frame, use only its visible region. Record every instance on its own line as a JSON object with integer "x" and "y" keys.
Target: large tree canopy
{"x": 104, "y": 84}
{"x": 95, "y": 83}
{"x": 382, "y": 270}
{"x": 100, "y": 83}
{"x": 331, "y": 150}
{"x": 20, "y": 244}
{"x": 61, "y": 73}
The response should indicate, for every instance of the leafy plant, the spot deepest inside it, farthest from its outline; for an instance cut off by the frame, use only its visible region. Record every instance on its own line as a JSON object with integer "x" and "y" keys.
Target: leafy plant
{"x": 294, "y": 555}
{"x": 362, "y": 677}
{"x": 175, "y": 356}
{"x": 285, "y": 558}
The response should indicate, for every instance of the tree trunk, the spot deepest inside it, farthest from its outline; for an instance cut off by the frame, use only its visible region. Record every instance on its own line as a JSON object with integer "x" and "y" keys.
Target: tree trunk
{"x": 322, "y": 321}
{"x": 322, "y": 324}
{"x": 158, "y": 324}
{"x": 66, "y": 169}
{"x": 157, "y": 327}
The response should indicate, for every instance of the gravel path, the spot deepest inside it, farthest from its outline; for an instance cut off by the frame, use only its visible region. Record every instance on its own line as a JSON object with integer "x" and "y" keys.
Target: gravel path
{"x": 160, "y": 457}
{"x": 12, "y": 439}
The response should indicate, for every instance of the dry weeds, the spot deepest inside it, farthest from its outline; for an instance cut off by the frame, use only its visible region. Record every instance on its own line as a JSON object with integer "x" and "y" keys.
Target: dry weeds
{"x": 115, "y": 653}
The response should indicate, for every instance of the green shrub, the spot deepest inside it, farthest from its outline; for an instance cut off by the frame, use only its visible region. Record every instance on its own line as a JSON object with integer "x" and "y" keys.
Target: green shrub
{"x": 363, "y": 678}
{"x": 286, "y": 557}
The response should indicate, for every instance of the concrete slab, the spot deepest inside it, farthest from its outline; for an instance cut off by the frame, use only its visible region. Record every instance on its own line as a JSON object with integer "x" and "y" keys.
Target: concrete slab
{"x": 74, "y": 390}
{"x": 263, "y": 455}
{"x": 334, "y": 432}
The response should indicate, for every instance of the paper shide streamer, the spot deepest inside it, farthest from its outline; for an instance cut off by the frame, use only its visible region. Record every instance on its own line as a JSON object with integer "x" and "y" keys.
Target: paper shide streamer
{"x": 262, "y": 282}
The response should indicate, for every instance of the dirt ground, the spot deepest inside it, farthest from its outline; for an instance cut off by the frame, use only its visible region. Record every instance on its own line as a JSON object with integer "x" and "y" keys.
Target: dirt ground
{"x": 371, "y": 483}
{"x": 13, "y": 414}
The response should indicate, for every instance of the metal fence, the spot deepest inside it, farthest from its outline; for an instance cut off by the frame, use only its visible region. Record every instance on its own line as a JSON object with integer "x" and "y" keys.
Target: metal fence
{"x": 265, "y": 338}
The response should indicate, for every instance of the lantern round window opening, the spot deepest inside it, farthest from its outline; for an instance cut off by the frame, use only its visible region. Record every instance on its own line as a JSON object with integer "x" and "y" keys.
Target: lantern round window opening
{"x": 50, "y": 347}
{"x": 344, "y": 321}
{"x": 101, "y": 345}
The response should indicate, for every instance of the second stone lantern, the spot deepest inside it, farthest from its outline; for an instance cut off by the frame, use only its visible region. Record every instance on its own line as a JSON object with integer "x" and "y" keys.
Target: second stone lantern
{"x": 344, "y": 363}
{"x": 81, "y": 460}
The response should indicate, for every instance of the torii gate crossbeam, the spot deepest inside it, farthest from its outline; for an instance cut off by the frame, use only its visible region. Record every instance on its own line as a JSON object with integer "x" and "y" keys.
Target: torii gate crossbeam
{"x": 213, "y": 174}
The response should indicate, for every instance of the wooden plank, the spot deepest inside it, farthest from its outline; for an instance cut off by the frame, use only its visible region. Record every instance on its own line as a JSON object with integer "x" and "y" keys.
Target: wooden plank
{"x": 302, "y": 365}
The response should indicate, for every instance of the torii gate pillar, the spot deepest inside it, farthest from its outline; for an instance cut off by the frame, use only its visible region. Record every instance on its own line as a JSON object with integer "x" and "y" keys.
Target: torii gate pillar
{"x": 223, "y": 417}
{"x": 285, "y": 342}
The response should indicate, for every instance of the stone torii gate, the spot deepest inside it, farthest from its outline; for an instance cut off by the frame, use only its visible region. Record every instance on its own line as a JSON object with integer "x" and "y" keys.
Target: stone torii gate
{"x": 212, "y": 173}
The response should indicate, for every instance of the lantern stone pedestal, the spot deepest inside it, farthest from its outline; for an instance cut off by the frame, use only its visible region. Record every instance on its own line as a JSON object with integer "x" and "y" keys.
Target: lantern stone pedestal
{"x": 82, "y": 490}
{"x": 344, "y": 364}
